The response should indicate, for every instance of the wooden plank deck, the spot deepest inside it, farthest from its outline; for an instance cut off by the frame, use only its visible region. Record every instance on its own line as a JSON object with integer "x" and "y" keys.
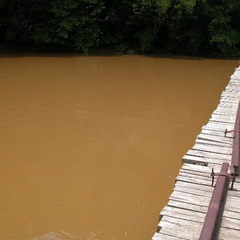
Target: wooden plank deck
{"x": 184, "y": 214}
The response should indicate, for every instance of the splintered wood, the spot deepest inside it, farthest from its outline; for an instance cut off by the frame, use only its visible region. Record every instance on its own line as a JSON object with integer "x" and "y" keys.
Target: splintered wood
{"x": 184, "y": 214}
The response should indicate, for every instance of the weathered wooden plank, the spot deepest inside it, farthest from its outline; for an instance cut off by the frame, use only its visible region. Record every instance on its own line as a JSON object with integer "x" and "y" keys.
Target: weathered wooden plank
{"x": 194, "y": 174}
{"x": 202, "y": 209}
{"x": 204, "y": 200}
{"x": 227, "y": 103}
{"x": 218, "y": 134}
{"x": 193, "y": 188}
{"x": 190, "y": 198}
{"x": 236, "y": 73}
{"x": 210, "y": 155}
{"x": 233, "y": 84}
{"x": 230, "y": 94}
{"x": 236, "y": 188}
{"x": 160, "y": 236}
{"x": 186, "y": 205}
{"x": 212, "y": 148}
{"x": 190, "y": 230}
{"x": 195, "y": 168}
{"x": 224, "y": 112}
{"x": 192, "y": 180}
{"x": 194, "y": 171}
{"x": 220, "y": 127}
{"x": 181, "y": 228}
{"x": 234, "y": 78}
{"x": 185, "y": 174}
{"x": 200, "y": 190}
{"x": 227, "y": 144}
{"x": 222, "y": 119}
{"x": 222, "y": 107}
{"x": 232, "y": 89}
{"x": 198, "y": 160}
{"x": 195, "y": 160}
{"x": 185, "y": 214}
{"x": 215, "y": 138}
{"x": 229, "y": 234}
{"x": 230, "y": 223}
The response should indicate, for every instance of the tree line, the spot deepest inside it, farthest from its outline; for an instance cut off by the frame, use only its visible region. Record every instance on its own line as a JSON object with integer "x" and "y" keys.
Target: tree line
{"x": 190, "y": 27}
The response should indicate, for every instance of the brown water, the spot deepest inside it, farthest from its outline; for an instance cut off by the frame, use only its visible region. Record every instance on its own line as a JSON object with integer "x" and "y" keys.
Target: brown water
{"x": 90, "y": 146}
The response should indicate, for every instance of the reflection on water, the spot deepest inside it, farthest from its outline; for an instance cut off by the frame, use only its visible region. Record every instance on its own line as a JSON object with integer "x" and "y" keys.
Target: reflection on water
{"x": 90, "y": 146}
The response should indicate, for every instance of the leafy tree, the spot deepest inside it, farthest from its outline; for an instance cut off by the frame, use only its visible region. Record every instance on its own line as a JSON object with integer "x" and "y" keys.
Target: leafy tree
{"x": 186, "y": 27}
{"x": 71, "y": 23}
{"x": 149, "y": 17}
{"x": 176, "y": 26}
{"x": 18, "y": 19}
{"x": 224, "y": 28}
{"x": 134, "y": 24}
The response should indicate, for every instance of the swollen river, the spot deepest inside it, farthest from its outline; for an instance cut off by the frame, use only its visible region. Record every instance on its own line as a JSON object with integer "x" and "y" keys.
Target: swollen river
{"x": 90, "y": 146}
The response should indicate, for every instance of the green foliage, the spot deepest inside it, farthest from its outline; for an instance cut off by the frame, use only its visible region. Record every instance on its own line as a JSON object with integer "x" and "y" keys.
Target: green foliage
{"x": 187, "y": 5}
{"x": 224, "y": 32}
{"x": 203, "y": 27}
{"x": 71, "y": 23}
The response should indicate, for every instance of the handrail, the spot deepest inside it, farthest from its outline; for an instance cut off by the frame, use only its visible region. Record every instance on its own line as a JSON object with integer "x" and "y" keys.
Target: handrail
{"x": 211, "y": 225}
{"x": 235, "y": 162}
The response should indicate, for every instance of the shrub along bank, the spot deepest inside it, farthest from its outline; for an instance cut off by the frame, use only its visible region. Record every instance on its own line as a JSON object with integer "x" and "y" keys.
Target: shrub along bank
{"x": 192, "y": 27}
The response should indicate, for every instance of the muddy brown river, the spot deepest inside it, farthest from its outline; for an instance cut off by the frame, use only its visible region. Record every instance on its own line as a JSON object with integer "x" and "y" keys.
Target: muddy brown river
{"x": 90, "y": 146}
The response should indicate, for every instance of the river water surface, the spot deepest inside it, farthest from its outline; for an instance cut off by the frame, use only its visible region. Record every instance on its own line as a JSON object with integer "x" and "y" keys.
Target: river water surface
{"x": 90, "y": 146}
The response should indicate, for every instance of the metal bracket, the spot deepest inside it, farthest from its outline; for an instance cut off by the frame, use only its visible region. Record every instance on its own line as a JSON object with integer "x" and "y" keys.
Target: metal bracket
{"x": 223, "y": 174}
{"x": 226, "y": 131}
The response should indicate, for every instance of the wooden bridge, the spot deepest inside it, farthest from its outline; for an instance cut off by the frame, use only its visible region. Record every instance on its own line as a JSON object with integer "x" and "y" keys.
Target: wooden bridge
{"x": 196, "y": 209}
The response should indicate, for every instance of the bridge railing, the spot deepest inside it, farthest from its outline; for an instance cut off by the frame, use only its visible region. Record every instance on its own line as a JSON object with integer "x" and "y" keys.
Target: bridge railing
{"x": 235, "y": 162}
{"x": 213, "y": 218}
{"x": 211, "y": 225}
